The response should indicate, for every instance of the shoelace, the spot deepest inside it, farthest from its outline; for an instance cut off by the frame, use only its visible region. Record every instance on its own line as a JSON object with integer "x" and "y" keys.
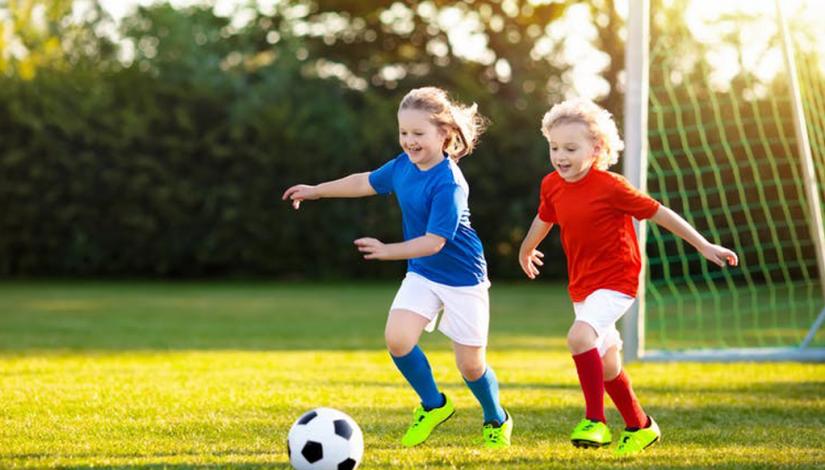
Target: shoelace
{"x": 492, "y": 433}
{"x": 419, "y": 417}
{"x": 625, "y": 440}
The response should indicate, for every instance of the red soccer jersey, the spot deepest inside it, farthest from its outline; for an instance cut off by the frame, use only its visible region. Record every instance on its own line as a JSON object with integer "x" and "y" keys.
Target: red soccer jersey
{"x": 597, "y": 233}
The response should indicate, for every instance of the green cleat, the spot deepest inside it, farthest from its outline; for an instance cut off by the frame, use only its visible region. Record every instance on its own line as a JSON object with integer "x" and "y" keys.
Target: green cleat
{"x": 424, "y": 422}
{"x": 497, "y": 436}
{"x": 633, "y": 442}
{"x": 591, "y": 434}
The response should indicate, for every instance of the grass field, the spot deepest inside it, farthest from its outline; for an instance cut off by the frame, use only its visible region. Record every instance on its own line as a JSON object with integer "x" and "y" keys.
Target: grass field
{"x": 181, "y": 375}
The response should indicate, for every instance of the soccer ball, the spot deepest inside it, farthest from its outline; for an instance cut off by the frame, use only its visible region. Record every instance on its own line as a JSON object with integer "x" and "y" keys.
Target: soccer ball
{"x": 325, "y": 439}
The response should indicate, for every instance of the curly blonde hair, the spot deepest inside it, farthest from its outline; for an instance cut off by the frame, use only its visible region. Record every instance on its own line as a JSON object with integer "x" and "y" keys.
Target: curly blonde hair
{"x": 599, "y": 123}
{"x": 463, "y": 124}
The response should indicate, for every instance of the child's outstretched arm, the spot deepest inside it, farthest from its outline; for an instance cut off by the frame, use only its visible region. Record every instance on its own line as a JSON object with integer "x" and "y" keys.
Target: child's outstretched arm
{"x": 529, "y": 257}
{"x": 355, "y": 185}
{"x": 425, "y": 245}
{"x": 679, "y": 226}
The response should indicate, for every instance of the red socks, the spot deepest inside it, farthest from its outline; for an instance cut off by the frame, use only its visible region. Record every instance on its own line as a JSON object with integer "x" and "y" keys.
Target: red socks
{"x": 591, "y": 378}
{"x": 622, "y": 395}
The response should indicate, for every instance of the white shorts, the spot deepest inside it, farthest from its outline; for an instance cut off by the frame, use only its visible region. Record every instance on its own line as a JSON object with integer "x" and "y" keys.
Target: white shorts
{"x": 601, "y": 310}
{"x": 466, "y": 318}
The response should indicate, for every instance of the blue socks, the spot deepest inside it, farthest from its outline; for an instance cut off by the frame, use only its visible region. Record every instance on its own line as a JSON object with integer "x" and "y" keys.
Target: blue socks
{"x": 486, "y": 391}
{"x": 416, "y": 369}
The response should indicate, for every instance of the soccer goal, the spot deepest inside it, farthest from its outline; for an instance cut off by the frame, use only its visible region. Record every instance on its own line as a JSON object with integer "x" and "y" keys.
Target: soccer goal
{"x": 733, "y": 139}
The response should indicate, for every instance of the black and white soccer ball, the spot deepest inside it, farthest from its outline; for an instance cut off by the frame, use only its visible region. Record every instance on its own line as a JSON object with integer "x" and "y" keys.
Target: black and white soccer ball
{"x": 325, "y": 439}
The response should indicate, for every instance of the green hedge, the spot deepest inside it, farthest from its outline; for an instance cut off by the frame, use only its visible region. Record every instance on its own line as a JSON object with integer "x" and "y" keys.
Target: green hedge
{"x": 128, "y": 174}
{"x": 174, "y": 163}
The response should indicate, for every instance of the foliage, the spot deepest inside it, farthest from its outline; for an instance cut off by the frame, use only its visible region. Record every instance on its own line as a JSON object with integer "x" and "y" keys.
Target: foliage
{"x": 163, "y": 149}
{"x": 171, "y": 161}
{"x": 37, "y": 34}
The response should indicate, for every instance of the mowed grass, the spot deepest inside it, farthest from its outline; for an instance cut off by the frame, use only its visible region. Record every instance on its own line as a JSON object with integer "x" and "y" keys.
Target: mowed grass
{"x": 181, "y": 375}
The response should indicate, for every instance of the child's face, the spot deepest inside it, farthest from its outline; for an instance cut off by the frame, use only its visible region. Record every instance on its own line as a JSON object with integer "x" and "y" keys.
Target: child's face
{"x": 420, "y": 138}
{"x": 572, "y": 150}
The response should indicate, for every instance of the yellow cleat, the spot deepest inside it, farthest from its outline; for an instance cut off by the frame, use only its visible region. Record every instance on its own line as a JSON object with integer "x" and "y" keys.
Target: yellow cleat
{"x": 497, "y": 436}
{"x": 425, "y": 421}
{"x": 591, "y": 434}
{"x": 633, "y": 442}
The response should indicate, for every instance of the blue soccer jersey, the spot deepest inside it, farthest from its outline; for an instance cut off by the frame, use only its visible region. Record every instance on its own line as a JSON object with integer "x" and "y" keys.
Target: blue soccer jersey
{"x": 435, "y": 201}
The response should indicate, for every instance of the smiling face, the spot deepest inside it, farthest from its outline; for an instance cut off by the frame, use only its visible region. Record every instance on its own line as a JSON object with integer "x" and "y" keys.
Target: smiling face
{"x": 572, "y": 150}
{"x": 420, "y": 138}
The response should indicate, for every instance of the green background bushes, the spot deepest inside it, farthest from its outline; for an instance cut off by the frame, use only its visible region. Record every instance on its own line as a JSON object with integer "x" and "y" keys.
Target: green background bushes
{"x": 164, "y": 152}
{"x": 174, "y": 163}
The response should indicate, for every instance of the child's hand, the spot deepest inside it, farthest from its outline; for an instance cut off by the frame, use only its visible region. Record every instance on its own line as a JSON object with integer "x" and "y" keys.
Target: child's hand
{"x": 529, "y": 262}
{"x": 300, "y": 192}
{"x": 372, "y": 248}
{"x": 720, "y": 255}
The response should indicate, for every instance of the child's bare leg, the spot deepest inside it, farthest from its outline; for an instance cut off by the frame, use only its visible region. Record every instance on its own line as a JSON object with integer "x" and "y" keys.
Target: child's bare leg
{"x": 402, "y": 332}
{"x": 481, "y": 380}
{"x": 470, "y": 360}
{"x": 612, "y": 362}
{"x": 581, "y": 339}
{"x": 617, "y": 385}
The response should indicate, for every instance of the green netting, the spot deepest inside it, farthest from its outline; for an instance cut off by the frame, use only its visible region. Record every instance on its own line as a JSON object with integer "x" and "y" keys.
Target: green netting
{"x": 726, "y": 159}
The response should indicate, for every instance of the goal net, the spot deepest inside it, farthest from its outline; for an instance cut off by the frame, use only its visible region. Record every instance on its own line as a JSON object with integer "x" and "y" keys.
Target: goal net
{"x": 724, "y": 151}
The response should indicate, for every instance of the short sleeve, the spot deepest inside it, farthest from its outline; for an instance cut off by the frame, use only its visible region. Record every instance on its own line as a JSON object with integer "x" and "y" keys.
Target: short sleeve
{"x": 632, "y": 201}
{"x": 448, "y": 203}
{"x": 547, "y": 213}
{"x": 381, "y": 179}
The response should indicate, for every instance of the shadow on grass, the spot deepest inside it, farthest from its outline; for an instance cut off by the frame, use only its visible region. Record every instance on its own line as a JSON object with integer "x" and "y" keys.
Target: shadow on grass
{"x": 261, "y": 316}
{"x": 649, "y": 462}
{"x": 699, "y": 431}
{"x": 164, "y": 466}
{"x": 87, "y": 455}
{"x": 788, "y": 390}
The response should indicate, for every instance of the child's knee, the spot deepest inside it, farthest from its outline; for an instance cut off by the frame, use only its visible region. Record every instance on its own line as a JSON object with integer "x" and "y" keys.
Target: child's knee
{"x": 582, "y": 337}
{"x": 398, "y": 345}
{"x": 472, "y": 372}
{"x": 471, "y": 368}
{"x": 580, "y": 340}
{"x": 612, "y": 362}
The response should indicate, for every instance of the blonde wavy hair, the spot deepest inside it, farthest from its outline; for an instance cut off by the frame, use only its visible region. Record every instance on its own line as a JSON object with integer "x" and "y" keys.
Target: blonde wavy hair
{"x": 599, "y": 123}
{"x": 463, "y": 124}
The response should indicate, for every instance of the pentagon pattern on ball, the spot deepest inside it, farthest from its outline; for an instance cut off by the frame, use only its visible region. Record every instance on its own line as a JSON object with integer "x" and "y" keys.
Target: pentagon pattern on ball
{"x": 313, "y": 451}
{"x": 307, "y": 417}
{"x": 325, "y": 439}
{"x": 348, "y": 464}
{"x": 343, "y": 429}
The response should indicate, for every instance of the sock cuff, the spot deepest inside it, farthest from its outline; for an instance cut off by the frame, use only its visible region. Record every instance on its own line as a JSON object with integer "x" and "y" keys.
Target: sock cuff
{"x": 486, "y": 376}
{"x": 414, "y": 353}
{"x": 619, "y": 379}
{"x": 587, "y": 353}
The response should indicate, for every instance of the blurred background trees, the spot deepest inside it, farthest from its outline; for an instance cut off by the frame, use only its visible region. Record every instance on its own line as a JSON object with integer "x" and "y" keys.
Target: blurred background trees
{"x": 158, "y": 144}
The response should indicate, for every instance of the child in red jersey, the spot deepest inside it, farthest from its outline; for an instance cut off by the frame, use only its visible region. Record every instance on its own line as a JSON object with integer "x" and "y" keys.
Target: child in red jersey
{"x": 594, "y": 209}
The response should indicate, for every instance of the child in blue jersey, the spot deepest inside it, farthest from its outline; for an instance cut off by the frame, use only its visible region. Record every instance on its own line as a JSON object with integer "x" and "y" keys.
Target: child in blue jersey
{"x": 446, "y": 269}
